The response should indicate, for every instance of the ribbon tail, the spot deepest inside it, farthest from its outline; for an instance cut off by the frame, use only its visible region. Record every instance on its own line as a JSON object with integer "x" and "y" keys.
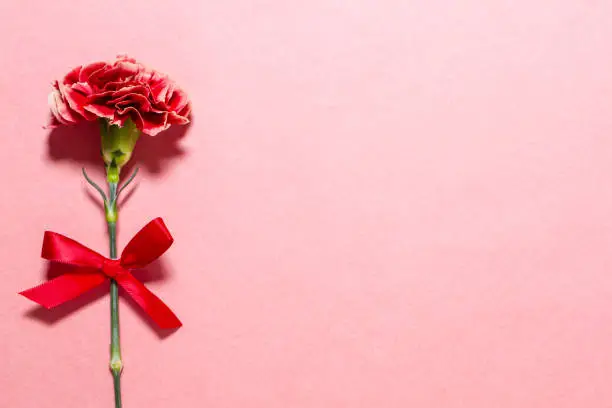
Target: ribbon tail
{"x": 153, "y": 306}
{"x": 63, "y": 288}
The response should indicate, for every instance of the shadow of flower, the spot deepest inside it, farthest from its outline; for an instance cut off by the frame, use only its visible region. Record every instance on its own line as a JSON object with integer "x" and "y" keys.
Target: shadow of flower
{"x": 79, "y": 145}
{"x": 155, "y": 154}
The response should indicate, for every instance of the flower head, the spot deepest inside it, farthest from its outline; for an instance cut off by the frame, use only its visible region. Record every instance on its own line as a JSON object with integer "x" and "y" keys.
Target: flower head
{"x": 119, "y": 91}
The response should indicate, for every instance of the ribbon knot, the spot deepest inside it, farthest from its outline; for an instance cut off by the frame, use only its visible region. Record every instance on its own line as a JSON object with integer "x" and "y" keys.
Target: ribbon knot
{"x": 92, "y": 269}
{"x": 112, "y": 268}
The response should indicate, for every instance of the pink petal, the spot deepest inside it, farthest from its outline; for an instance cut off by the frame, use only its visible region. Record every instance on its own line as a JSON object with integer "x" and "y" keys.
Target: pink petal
{"x": 125, "y": 57}
{"x": 178, "y": 100}
{"x": 83, "y": 87}
{"x": 161, "y": 90}
{"x": 72, "y": 76}
{"x": 60, "y": 109}
{"x": 186, "y": 111}
{"x": 177, "y": 119}
{"x": 88, "y": 70}
{"x": 130, "y": 89}
{"x": 100, "y": 111}
{"x": 153, "y": 123}
{"x": 76, "y": 100}
{"x": 133, "y": 100}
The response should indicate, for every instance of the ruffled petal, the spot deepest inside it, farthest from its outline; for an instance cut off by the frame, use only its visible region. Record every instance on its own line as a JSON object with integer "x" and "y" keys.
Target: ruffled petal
{"x": 117, "y": 91}
{"x": 100, "y": 111}
{"x": 88, "y": 70}
{"x": 60, "y": 109}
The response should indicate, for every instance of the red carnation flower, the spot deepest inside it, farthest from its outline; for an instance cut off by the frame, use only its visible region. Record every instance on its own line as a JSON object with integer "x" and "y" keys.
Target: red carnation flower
{"x": 118, "y": 91}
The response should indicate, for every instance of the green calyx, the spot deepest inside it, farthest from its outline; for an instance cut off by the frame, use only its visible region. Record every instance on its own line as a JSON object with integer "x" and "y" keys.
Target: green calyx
{"x": 110, "y": 205}
{"x": 118, "y": 143}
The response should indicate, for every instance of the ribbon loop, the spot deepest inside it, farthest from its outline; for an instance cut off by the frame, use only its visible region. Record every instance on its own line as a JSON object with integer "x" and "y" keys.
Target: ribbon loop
{"x": 59, "y": 248}
{"x": 147, "y": 245}
{"x": 92, "y": 269}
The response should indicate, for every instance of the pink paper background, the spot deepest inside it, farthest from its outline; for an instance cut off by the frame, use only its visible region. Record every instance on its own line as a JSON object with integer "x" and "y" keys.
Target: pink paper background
{"x": 379, "y": 204}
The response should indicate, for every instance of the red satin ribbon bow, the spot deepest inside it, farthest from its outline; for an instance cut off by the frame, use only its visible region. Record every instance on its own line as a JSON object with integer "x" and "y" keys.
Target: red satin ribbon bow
{"x": 92, "y": 269}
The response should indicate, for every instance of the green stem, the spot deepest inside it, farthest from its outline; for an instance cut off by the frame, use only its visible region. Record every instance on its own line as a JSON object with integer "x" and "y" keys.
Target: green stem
{"x": 116, "y": 364}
